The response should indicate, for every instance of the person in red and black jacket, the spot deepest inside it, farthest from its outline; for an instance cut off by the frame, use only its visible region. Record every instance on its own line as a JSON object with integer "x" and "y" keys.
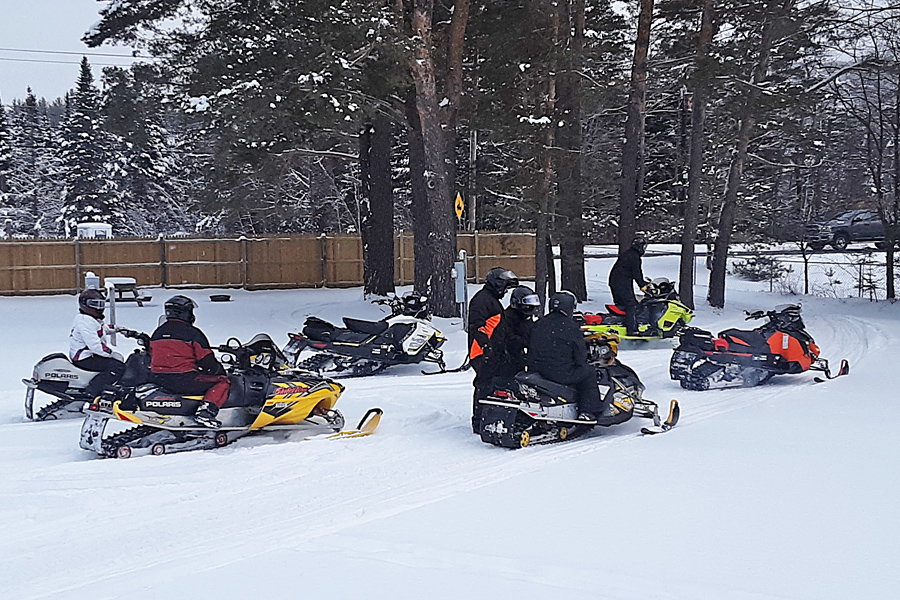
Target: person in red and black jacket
{"x": 485, "y": 313}
{"x": 182, "y": 361}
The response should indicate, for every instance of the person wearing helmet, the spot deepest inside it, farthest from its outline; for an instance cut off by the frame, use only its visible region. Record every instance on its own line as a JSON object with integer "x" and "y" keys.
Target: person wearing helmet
{"x": 485, "y": 315}
{"x": 88, "y": 347}
{"x": 626, "y": 269}
{"x": 182, "y": 361}
{"x": 514, "y": 332}
{"x": 557, "y": 352}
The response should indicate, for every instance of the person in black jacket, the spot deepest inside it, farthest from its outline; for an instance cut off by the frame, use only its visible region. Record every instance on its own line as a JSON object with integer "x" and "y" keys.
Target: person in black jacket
{"x": 558, "y": 353}
{"x": 514, "y": 332}
{"x": 485, "y": 314}
{"x": 627, "y": 269}
{"x": 182, "y": 361}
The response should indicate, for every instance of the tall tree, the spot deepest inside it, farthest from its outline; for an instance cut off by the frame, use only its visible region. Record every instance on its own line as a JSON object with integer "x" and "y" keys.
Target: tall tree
{"x": 377, "y": 206}
{"x": 634, "y": 129}
{"x": 89, "y": 191}
{"x": 699, "y": 82}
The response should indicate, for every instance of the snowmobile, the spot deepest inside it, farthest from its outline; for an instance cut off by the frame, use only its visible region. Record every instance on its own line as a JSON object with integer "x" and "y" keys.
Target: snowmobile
{"x": 750, "y": 357}
{"x": 531, "y": 409}
{"x": 265, "y": 395}
{"x": 57, "y": 376}
{"x": 368, "y": 347}
{"x": 660, "y": 315}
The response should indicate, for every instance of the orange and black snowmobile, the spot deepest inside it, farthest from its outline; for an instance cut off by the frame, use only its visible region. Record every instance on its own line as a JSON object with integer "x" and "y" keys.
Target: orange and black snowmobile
{"x": 749, "y": 357}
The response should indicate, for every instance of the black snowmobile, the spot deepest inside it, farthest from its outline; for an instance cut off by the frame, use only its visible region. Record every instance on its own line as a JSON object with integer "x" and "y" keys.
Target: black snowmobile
{"x": 533, "y": 410}
{"x": 361, "y": 348}
{"x": 750, "y": 357}
{"x": 57, "y": 376}
{"x": 264, "y": 394}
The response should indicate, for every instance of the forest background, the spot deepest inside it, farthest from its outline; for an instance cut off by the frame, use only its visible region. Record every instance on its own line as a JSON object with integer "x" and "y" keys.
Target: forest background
{"x": 691, "y": 121}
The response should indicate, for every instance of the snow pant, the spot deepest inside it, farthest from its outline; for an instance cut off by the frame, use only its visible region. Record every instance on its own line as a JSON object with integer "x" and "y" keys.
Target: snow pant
{"x": 110, "y": 371}
{"x": 193, "y": 383}
{"x": 624, "y": 298}
{"x": 484, "y": 377}
{"x": 584, "y": 380}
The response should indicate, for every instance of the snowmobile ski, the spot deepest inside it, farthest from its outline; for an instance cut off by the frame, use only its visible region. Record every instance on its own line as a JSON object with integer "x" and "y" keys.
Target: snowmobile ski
{"x": 669, "y": 423}
{"x": 367, "y": 426}
{"x": 463, "y": 367}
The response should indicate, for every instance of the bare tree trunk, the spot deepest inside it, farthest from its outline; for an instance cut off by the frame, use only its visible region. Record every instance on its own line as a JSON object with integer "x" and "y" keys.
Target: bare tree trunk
{"x": 634, "y": 129}
{"x": 695, "y": 168}
{"x": 569, "y": 139}
{"x": 421, "y": 217}
{"x": 377, "y": 207}
{"x": 544, "y": 272}
{"x": 442, "y": 238}
{"x": 716, "y": 295}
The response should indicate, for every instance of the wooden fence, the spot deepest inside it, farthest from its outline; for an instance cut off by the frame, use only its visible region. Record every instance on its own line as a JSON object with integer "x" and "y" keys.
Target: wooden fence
{"x": 58, "y": 266}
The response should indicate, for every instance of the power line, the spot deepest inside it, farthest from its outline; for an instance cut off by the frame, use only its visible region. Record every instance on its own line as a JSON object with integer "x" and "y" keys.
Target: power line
{"x": 59, "y": 62}
{"x": 67, "y": 52}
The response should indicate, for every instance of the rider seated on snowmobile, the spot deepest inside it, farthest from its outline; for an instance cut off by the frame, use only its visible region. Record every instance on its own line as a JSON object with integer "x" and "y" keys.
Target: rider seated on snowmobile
{"x": 87, "y": 343}
{"x": 626, "y": 269}
{"x": 183, "y": 363}
{"x": 485, "y": 315}
{"x": 557, "y": 352}
{"x": 514, "y": 332}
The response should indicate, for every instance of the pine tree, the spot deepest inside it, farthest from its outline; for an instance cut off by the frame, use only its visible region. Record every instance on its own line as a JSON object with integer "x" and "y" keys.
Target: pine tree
{"x": 6, "y": 155}
{"x": 89, "y": 189}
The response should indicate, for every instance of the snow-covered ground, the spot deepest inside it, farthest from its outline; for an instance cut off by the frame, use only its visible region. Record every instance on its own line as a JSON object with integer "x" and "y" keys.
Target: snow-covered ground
{"x": 787, "y": 491}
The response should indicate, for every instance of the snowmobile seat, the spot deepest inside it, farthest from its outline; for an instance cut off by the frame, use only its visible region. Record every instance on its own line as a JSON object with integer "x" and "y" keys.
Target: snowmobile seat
{"x": 557, "y": 390}
{"x": 56, "y": 355}
{"x": 318, "y": 329}
{"x": 592, "y": 319}
{"x": 370, "y": 327}
{"x": 739, "y": 339}
{"x": 615, "y": 310}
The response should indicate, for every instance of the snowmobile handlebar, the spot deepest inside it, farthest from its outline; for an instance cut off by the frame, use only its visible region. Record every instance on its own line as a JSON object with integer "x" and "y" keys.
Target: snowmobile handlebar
{"x": 142, "y": 338}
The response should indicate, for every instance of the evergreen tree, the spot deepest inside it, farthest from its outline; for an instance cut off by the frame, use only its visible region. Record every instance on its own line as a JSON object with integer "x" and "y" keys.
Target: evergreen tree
{"x": 90, "y": 191}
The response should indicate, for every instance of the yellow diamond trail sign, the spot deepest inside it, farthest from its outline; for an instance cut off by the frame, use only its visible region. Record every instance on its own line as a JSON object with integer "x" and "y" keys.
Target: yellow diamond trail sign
{"x": 459, "y": 206}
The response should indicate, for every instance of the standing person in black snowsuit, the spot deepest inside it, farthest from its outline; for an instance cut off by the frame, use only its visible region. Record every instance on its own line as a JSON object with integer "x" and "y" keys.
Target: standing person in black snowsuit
{"x": 485, "y": 314}
{"x": 514, "y": 332}
{"x": 558, "y": 353}
{"x": 627, "y": 269}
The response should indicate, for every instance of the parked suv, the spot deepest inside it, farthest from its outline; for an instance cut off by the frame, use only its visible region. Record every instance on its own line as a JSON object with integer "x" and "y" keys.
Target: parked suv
{"x": 849, "y": 226}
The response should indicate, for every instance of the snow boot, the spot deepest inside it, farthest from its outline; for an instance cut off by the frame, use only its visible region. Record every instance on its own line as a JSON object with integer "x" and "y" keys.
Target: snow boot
{"x": 206, "y": 415}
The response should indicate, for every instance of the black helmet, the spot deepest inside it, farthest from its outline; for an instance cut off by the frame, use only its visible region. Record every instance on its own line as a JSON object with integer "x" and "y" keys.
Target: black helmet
{"x": 91, "y": 302}
{"x": 563, "y": 302}
{"x": 500, "y": 280}
{"x": 180, "y": 307}
{"x": 640, "y": 244}
{"x": 524, "y": 300}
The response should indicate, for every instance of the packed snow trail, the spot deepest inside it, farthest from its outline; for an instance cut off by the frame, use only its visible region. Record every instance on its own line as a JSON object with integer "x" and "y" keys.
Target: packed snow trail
{"x": 781, "y": 491}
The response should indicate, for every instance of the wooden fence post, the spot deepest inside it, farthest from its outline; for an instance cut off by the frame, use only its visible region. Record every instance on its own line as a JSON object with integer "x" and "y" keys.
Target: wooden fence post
{"x": 477, "y": 253}
{"x": 324, "y": 251}
{"x": 77, "y": 266}
{"x": 163, "y": 269}
{"x": 244, "y": 278}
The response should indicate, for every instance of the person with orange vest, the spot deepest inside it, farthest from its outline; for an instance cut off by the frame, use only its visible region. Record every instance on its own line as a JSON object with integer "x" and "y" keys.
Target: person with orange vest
{"x": 485, "y": 314}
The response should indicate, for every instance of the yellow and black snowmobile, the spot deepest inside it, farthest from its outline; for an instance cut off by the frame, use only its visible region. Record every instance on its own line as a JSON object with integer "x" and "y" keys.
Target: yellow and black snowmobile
{"x": 530, "y": 409}
{"x": 265, "y": 395}
{"x": 660, "y": 315}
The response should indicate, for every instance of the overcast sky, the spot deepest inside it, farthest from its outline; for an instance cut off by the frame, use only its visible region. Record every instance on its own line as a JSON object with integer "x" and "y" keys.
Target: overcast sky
{"x": 48, "y": 25}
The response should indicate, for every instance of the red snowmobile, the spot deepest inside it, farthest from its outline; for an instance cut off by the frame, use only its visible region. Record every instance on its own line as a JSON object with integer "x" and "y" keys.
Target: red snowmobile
{"x": 780, "y": 346}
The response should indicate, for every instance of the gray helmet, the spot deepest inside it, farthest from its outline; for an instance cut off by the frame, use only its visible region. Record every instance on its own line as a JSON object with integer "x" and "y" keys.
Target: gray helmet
{"x": 524, "y": 300}
{"x": 180, "y": 307}
{"x": 500, "y": 280}
{"x": 563, "y": 302}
